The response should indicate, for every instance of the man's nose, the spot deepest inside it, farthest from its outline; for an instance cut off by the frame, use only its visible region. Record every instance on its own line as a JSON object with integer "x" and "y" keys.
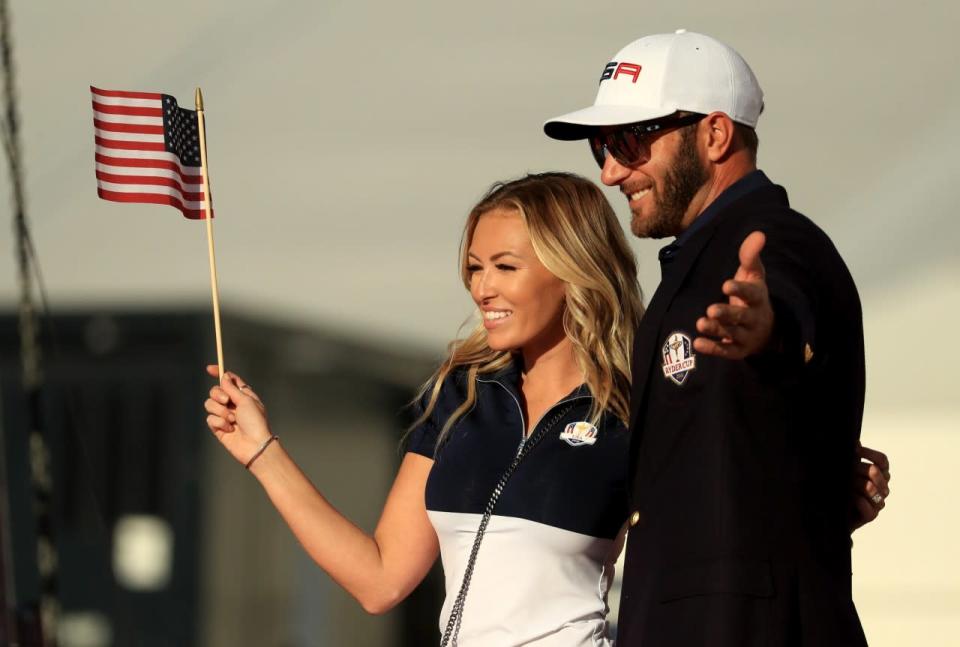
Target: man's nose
{"x": 613, "y": 172}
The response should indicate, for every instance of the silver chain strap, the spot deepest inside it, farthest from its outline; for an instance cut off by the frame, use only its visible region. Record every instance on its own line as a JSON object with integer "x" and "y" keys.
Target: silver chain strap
{"x": 452, "y": 629}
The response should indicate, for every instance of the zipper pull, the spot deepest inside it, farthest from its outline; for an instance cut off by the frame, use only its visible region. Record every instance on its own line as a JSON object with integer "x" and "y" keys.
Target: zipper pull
{"x": 523, "y": 441}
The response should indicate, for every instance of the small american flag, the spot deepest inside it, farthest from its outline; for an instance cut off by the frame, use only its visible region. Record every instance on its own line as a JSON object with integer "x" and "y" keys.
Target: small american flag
{"x": 147, "y": 150}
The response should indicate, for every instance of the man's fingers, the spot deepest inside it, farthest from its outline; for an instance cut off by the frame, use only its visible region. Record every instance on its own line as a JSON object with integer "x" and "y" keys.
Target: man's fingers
{"x": 708, "y": 346}
{"x": 867, "y": 487}
{"x": 750, "y": 265}
{"x": 713, "y": 328}
{"x": 731, "y": 316}
{"x": 875, "y": 475}
{"x": 878, "y": 503}
{"x": 878, "y": 458}
{"x": 866, "y": 511}
{"x": 868, "y": 491}
{"x": 749, "y": 292}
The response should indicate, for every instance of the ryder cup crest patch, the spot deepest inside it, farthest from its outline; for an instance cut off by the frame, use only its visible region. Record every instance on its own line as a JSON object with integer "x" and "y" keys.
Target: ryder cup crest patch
{"x": 678, "y": 358}
{"x": 579, "y": 433}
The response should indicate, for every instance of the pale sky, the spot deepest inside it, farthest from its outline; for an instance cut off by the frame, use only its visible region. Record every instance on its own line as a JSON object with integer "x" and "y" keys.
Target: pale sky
{"x": 347, "y": 141}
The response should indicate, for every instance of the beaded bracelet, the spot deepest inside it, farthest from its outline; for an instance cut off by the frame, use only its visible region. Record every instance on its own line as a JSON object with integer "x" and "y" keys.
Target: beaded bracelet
{"x": 262, "y": 448}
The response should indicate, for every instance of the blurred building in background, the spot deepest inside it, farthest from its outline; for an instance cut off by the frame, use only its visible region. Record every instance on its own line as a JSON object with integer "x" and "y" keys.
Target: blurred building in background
{"x": 163, "y": 539}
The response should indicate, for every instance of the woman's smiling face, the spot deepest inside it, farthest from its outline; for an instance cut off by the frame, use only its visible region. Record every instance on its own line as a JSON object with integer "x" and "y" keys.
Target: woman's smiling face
{"x": 520, "y": 300}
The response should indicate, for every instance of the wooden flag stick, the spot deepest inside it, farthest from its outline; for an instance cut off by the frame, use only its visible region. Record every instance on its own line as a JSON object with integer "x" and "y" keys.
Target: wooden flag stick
{"x": 209, "y": 218}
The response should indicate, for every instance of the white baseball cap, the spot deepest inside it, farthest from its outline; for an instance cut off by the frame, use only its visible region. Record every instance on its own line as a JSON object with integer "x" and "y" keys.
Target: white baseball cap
{"x": 658, "y": 75}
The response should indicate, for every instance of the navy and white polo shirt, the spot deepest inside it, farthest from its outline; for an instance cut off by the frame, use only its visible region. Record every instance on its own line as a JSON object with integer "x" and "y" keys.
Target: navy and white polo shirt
{"x": 546, "y": 561}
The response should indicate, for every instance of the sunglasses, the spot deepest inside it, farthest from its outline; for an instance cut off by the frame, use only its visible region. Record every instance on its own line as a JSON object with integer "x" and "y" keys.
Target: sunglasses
{"x": 630, "y": 144}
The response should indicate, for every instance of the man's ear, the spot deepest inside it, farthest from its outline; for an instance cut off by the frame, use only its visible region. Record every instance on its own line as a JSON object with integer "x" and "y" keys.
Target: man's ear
{"x": 719, "y": 134}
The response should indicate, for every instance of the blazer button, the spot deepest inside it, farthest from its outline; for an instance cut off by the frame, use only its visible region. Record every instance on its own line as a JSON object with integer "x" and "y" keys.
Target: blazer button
{"x": 807, "y": 354}
{"x": 634, "y": 518}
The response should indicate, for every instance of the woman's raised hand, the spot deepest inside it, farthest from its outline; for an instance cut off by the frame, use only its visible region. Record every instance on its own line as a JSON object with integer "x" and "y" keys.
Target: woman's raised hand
{"x": 236, "y": 416}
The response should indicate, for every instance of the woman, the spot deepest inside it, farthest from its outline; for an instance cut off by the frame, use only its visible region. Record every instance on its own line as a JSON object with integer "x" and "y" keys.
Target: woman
{"x": 545, "y": 377}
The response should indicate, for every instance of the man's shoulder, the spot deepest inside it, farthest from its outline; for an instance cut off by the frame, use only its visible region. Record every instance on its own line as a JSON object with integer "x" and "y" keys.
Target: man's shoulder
{"x": 768, "y": 205}
{"x": 767, "y": 209}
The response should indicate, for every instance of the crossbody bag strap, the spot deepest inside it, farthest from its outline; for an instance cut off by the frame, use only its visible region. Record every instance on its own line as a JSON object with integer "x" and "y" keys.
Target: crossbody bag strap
{"x": 452, "y": 629}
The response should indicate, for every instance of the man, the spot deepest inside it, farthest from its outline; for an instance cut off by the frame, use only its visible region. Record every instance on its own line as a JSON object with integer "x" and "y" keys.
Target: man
{"x": 747, "y": 393}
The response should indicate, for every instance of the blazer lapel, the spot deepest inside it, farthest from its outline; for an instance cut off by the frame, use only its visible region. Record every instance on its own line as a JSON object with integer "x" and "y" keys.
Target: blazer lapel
{"x": 647, "y": 338}
{"x": 646, "y": 343}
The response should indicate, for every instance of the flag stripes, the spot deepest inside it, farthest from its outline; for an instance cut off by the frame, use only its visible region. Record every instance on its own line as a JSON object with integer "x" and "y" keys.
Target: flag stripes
{"x": 128, "y": 119}
{"x": 149, "y": 171}
{"x": 123, "y": 127}
{"x": 135, "y": 156}
{"x": 154, "y": 198}
{"x": 134, "y": 145}
{"x": 189, "y": 174}
{"x": 129, "y": 137}
{"x": 120, "y": 95}
{"x": 120, "y": 109}
{"x": 160, "y": 191}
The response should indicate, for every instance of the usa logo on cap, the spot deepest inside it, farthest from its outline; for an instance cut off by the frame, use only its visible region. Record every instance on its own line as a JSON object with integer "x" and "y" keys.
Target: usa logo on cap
{"x": 678, "y": 358}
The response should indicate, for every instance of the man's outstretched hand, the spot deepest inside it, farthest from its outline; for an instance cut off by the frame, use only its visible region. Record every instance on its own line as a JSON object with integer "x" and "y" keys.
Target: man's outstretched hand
{"x": 744, "y": 325}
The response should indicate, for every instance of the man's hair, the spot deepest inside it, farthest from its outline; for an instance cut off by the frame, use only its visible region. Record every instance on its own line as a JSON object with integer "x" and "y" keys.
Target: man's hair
{"x": 575, "y": 234}
{"x": 748, "y": 137}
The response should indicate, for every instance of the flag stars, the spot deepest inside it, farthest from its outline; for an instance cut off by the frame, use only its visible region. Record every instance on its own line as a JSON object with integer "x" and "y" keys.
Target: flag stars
{"x": 181, "y": 135}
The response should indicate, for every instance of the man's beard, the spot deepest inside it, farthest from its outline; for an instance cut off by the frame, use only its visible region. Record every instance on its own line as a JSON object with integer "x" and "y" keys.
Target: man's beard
{"x": 684, "y": 178}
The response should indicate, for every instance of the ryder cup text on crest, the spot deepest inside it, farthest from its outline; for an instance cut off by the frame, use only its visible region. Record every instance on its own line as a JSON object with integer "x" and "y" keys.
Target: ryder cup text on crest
{"x": 614, "y": 69}
{"x": 678, "y": 357}
{"x": 682, "y": 365}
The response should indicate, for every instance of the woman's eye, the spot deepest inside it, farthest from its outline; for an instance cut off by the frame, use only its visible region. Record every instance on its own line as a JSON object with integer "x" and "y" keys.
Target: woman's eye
{"x": 505, "y": 267}
{"x": 473, "y": 268}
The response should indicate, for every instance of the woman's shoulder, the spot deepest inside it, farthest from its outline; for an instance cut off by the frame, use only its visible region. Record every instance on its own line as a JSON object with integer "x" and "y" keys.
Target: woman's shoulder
{"x": 454, "y": 387}
{"x": 430, "y": 418}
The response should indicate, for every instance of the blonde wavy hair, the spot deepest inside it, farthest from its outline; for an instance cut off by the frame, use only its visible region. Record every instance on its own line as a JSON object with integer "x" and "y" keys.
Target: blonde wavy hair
{"x": 575, "y": 234}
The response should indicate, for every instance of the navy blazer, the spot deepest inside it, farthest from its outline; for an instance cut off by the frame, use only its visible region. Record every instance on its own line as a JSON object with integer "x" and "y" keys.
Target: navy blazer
{"x": 741, "y": 471}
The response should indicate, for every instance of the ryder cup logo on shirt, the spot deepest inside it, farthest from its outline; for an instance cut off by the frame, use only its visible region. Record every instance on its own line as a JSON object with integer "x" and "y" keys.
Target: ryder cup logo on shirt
{"x": 678, "y": 358}
{"x": 579, "y": 433}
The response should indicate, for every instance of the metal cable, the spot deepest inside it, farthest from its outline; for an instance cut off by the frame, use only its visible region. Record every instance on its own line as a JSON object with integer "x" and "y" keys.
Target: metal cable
{"x": 31, "y": 373}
